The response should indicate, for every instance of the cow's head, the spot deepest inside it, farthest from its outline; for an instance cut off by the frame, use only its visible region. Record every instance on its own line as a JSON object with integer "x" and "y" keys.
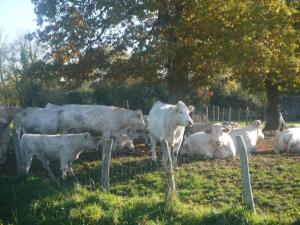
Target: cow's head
{"x": 182, "y": 114}
{"x": 217, "y": 132}
{"x": 137, "y": 121}
{"x": 124, "y": 142}
{"x": 89, "y": 142}
{"x": 257, "y": 124}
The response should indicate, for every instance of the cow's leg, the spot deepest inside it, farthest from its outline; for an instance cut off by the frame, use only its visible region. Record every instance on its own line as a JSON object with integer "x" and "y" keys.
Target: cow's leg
{"x": 175, "y": 154}
{"x": 46, "y": 166}
{"x": 153, "y": 148}
{"x": 70, "y": 170}
{"x": 64, "y": 168}
{"x": 27, "y": 163}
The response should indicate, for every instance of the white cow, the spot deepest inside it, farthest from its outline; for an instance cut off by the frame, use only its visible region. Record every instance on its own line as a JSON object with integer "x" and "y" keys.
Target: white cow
{"x": 250, "y": 134}
{"x": 120, "y": 142}
{"x": 65, "y": 148}
{"x": 35, "y": 121}
{"x": 199, "y": 127}
{"x": 98, "y": 119}
{"x": 288, "y": 141}
{"x": 168, "y": 122}
{"x": 215, "y": 142}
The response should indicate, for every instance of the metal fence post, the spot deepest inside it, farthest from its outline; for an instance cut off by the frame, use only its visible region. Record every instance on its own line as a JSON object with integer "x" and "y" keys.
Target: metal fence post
{"x": 247, "y": 191}
{"x": 169, "y": 174}
{"x": 213, "y": 115}
{"x": 105, "y": 164}
{"x": 218, "y": 113}
{"x": 229, "y": 114}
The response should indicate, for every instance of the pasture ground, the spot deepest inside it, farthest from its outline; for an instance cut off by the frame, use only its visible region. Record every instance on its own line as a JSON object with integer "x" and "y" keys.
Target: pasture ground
{"x": 209, "y": 192}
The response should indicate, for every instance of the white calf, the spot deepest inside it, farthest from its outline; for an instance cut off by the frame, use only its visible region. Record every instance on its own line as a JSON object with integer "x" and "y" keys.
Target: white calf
{"x": 65, "y": 148}
{"x": 199, "y": 127}
{"x": 213, "y": 143}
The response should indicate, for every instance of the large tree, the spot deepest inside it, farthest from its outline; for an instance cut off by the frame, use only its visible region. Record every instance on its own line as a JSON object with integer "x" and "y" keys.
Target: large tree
{"x": 184, "y": 43}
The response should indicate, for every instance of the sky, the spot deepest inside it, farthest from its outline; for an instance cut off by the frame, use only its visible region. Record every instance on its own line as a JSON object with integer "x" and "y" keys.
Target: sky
{"x": 16, "y": 18}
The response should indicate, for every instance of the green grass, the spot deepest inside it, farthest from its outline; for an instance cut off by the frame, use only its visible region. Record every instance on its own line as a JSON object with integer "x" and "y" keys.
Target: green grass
{"x": 208, "y": 192}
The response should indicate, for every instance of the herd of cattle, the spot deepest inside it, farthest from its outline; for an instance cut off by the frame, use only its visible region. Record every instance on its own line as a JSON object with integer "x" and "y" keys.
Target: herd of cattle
{"x": 63, "y": 132}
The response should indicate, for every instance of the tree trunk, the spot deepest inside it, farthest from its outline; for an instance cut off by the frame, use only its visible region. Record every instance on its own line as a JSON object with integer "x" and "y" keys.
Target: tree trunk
{"x": 272, "y": 113}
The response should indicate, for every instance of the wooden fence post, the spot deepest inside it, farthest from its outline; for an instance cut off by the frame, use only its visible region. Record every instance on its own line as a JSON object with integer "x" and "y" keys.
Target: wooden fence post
{"x": 218, "y": 113}
{"x": 105, "y": 164}
{"x": 207, "y": 114}
{"x": 229, "y": 114}
{"x": 169, "y": 174}
{"x": 247, "y": 191}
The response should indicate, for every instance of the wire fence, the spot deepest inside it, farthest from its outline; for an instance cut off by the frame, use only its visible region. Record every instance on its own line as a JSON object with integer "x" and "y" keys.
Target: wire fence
{"x": 211, "y": 113}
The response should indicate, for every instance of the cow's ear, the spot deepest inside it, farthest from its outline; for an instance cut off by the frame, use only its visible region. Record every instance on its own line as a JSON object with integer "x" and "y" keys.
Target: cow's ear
{"x": 257, "y": 123}
{"x": 191, "y": 108}
{"x": 207, "y": 130}
{"x": 139, "y": 112}
{"x": 226, "y": 129}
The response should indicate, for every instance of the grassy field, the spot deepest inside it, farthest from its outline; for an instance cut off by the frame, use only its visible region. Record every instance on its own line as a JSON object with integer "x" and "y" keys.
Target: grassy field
{"x": 209, "y": 192}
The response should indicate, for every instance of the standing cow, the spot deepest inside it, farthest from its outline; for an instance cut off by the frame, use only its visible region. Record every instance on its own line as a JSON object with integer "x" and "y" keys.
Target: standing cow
{"x": 215, "y": 142}
{"x": 168, "y": 122}
{"x": 250, "y": 134}
{"x": 65, "y": 148}
{"x": 98, "y": 119}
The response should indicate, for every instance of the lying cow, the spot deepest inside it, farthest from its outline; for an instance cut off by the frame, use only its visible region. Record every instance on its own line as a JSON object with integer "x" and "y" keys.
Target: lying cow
{"x": 288, "y": 141}
{"x": 65, "y": 148}
{"x": 250, "y": 134}
{"x": 168, "y": 122}
{"x": 199, "y": 127}
{"x": 97, "y": 119}
{"x": 120, "y": 142}
{"x": 215, "y": 142}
